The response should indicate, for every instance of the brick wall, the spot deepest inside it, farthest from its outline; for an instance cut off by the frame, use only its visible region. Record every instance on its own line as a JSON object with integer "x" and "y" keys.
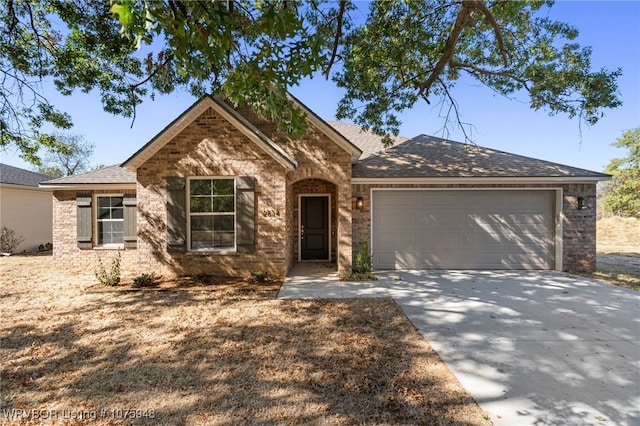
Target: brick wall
{"x": 65, "y": 248}
{"x": 211, "y": 146}
{"x": 319, "y": 158}
{"x": 578, "y": 226}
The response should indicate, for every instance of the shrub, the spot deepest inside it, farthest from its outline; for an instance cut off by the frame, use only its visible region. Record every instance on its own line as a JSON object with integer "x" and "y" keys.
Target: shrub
{"x": 362, "y": 268}
{"x": 144, "y": 280}
{"x": 9, "y": 241}
{"x": 203, "y": 278}
{"x": 363, "y": 259}
{"x": 109, "y": 276}
{"x": 260, "y": 277}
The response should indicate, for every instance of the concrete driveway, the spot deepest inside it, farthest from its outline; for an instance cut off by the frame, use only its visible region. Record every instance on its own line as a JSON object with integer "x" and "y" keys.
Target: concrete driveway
{"x": 531, "y": 347}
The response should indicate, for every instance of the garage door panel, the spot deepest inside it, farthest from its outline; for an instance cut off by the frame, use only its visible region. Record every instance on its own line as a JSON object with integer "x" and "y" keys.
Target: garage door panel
{"x": 407, "y": 261}
{"x": 440, "y": 219}
{"x": 436, "y": 238}
{"x": 445, "y": 199}
{"x": 462, "y": 229}
{"x": 399, "y": 240}
{"x": 503, "y": 235}
{"x": 516, "y": 261}
{"x": 523, "y": 219}
{"x": 398, "y": 199}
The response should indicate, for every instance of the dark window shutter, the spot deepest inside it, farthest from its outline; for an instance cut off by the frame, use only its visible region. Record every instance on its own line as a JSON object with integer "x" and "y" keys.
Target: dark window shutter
{"x": 130, "y": 221}
{"x": 83, "y": 222}
{"x": 245, "y": 214}
{"x": 176, "y": 216}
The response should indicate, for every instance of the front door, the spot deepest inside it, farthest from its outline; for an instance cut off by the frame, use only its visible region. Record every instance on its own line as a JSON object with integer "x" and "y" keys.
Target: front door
{"x": 314, "y": 228}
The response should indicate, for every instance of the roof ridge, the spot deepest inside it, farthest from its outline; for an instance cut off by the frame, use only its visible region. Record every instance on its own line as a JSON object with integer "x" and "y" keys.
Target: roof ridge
{"x": 509, "y": 153}
{"x": 426, "y": 156}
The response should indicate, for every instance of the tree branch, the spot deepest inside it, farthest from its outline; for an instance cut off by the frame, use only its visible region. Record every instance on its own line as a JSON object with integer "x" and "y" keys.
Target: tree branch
{"x": 483, "y": 71}
{"x": 462, "y": 20}
{"x": 336, "y": 40}
{"x": 496, "y": 28}
{"x": 152, "y": 74}
{"x": 454, "y": 106}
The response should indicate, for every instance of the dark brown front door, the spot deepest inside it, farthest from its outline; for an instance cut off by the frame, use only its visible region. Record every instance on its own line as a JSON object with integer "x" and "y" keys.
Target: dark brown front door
{"x": 314, "y": 228}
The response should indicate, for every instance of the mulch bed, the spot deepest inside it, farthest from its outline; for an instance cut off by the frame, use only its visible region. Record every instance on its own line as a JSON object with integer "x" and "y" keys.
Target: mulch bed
{"x": 218, "y": 284}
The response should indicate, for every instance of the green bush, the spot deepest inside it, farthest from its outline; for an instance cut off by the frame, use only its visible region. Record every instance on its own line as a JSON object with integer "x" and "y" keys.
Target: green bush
{"x": 9, "y": 241}
{"x": 362, "y": 267}
{"x": 109, "y": 276}
{"x": 260, "y": 277}
{"x": 144, "y": 280}
{"x": 204, "y": 278}
{"x": 363, "y": 259}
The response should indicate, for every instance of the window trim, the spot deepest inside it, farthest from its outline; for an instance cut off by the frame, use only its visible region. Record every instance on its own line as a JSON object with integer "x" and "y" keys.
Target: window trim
{"x": 94, "y": 213}
{"x": 235, "y": 212}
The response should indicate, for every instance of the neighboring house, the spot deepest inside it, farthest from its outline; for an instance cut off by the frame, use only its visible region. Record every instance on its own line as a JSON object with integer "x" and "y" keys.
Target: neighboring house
{"x": 221, "y": 190}
{"x": 25, "y": 208}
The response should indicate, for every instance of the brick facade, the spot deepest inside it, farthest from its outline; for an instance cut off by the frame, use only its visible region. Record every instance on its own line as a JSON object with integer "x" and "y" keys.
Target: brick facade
{"x": 578, "y": 226}
{"x": 211, "y": 146}
{"x": 65, "y": 248}
{"x": 319, "y": 159}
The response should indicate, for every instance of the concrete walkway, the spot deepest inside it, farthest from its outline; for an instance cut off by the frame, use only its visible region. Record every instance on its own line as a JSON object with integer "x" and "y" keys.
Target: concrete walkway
{"x": 531, "y": 347}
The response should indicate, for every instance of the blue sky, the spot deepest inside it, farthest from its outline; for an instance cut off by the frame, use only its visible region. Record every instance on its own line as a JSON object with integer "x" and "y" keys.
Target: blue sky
{"x": 612, "y": 28}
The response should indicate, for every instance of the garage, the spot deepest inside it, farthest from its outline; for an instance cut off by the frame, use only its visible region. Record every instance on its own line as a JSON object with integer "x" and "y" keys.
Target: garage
{"x": 463, "y": 229}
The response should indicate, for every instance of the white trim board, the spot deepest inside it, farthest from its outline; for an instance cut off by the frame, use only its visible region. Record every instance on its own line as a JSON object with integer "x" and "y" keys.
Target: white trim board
{"x": 477, "y": 180}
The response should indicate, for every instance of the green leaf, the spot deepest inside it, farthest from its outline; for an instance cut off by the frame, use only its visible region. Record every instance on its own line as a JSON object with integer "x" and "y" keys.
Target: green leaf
{"x": 124, "y": 14}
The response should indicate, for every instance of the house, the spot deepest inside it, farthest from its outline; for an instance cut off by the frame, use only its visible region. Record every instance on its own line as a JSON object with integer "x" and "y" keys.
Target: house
{"x": 221, "y": 190}
{"x": 25, "y": 208}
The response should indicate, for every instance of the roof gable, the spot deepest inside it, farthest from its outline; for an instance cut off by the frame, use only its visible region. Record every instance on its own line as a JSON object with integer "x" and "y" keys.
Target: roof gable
{"x": 16, "y": 176}
{"x": 341, "y": 140}
{"x": 191, "y": 114}
{"x": 431, "y": 157}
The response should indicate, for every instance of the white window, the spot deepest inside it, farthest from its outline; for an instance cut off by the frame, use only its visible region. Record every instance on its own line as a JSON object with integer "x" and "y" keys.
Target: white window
{"x": 110, "y": 220}
{"x": 212, "y": 214}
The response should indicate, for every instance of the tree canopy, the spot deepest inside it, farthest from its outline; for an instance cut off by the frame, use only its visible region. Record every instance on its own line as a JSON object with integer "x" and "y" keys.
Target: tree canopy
{"x": 73, "y": 159}
{"x": 623, "y": 196}
{"x": 387, "y": 55}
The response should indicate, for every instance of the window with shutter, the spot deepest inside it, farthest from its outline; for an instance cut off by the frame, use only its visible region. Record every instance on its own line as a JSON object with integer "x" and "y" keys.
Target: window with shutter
{"x": 130, "y": 236}
{"x": 115, "y": 221}
{"x": 212, "y": 214}
{"x": 176, "y": 217}
{"x": 83, "y": 222}
{"x": 110, "y": 220}
{"x": 245, "y": 213}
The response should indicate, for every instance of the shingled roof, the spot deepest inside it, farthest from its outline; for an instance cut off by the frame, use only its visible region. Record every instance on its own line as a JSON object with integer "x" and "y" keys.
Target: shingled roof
{"x": 369, "y": 143}
{"x": 17, "y": 176}
{"x": 429, "y": 156}
{"x": 105, "y": 175}
{"x": 421, "y": 157}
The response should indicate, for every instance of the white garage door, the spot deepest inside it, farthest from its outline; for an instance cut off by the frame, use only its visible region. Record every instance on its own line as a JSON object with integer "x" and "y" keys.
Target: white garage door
{"x": 481, "y": 229}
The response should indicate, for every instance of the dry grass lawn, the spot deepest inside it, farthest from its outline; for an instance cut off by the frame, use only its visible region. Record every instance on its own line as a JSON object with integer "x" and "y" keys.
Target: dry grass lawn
{"x": 618, "y": 235}
{"x": 211, "y": 357}
{"x": 618, "y": 245}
